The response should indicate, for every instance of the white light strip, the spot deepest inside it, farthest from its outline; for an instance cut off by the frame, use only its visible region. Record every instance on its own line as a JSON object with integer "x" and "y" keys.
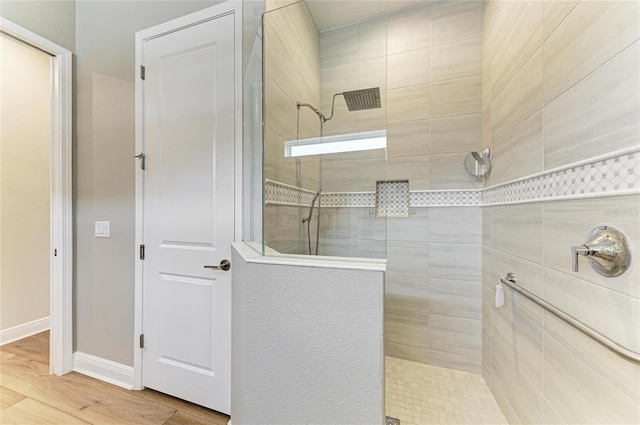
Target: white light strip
{"x": 352, "y": 142}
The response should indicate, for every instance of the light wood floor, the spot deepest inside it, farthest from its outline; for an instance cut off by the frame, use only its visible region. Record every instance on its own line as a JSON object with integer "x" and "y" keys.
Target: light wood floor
{"x": 30, "y": 396}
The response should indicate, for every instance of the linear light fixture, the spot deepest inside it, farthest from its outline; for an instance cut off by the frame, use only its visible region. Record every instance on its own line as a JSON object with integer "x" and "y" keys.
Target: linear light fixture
{"x": 350, "y": 142}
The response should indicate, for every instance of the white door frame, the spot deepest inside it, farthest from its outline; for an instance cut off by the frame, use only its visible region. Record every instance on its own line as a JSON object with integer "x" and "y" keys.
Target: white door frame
{"x": 226, "y": 8}
{"x": 61, "y": 209}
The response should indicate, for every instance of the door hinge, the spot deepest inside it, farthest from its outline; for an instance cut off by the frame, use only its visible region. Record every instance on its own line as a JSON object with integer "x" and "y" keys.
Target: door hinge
{"x": 142, "y": 72}
{"x": 141, "y": 340}
{"x": 142, "y": 252}
{"x": 55, "y": 252}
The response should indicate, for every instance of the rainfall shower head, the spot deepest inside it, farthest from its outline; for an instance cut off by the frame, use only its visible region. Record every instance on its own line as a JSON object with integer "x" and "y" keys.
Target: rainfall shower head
{"x": 359, "y": 100}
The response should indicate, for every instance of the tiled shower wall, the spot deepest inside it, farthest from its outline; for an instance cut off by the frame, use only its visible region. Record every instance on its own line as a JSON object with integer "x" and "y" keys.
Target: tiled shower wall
{"x": 427, "y": 61}
{"x": 561, "y": 84}
{"x": 291, "y": 75}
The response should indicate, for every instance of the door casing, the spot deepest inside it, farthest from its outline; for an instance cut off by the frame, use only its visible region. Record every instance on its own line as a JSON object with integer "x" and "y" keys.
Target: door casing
{"x": 61, "y": 207}
{"x": 229, "y": 7}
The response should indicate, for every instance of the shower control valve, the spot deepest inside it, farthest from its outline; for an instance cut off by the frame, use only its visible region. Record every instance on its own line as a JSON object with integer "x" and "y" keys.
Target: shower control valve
{"x": 607, "y": 250}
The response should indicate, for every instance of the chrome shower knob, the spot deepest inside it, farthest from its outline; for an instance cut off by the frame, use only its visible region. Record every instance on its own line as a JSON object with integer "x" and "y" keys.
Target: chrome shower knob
{"x": 606, "y": 249}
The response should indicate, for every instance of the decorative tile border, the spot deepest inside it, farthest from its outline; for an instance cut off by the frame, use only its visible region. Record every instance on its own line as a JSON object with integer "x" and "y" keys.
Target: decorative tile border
{"x": 392, "y": 198}
{"x": 608, "y": 176}
{"x": 621, "y": 173}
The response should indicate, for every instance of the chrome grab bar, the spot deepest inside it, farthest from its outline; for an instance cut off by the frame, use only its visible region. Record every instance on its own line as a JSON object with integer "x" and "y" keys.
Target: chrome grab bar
{"x": 605, "y": 341}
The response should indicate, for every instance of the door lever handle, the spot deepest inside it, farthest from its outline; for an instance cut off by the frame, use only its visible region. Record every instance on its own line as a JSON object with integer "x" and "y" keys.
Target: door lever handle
{"x": 224, "y": 266}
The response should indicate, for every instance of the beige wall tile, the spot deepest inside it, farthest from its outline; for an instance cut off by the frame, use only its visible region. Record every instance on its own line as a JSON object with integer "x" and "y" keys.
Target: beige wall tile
{"x": 622, "y": 374}
{"x": 408, "y": 139}
{"x": 279, "y": 110}
{"x": 408, "y": 30}
{"x": 410, "y": 258}
{"x": 408, "y": 103}
{"x": 338, "y": 78}
{"x": 555, "y": 12}
{"x": 458, "y": 298}
{"x": 339, "y": 46}
{"x": 372, "y": 248}
{"x": 340, "y": 176}
{"x": 580, "y": 394}
{"x": 566, "y": 225}
{"x": 520, "y": 43}
{"x": 456, "y": 97}
{"x": 334, "y": 247}
{"x": 455, "y": 134}
{"x": 408, "y": 68}
{"x": 486, "y": 127}
{"x": 412, "y": 168}
{"x": 456, "y": 60}
{"x": 618, "y": 314}
{"x": 517, "y": 230}
{"x": 596, "y": 116}
{"x": 373, "y": 39}
{"x": 455, "y": 261}
{"x": 412, "y": 228}
{"x": 593, "y": 33}
{"x": 278, "y": 64}
{"x": 410, "y": 328}
{"x": 447, "y": 172}
{"x": 455, "y": 20}
{"x": 407, "y": 285}
{"x": 369, "y": 226}
{"x": 519, "y": 153}
{"x": 406, "y": 352}
{"x": 520, "y": 99}
{"x": 456, "y": 361}
{"x": 454, "y": 224}
{"x": 372, "y": 73}
{"x": 455, "y": 334}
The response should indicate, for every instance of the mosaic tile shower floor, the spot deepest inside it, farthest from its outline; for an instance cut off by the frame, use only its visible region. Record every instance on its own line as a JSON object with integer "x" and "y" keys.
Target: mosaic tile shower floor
{"x": 420, "y": 394}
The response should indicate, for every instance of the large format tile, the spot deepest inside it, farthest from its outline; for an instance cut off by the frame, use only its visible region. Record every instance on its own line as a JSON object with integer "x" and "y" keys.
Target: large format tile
{"x": 593, "y": 33}
{"x": 462, "y": 96}
{"x": 456, "y": 60}
{"x": 455, "y": 261}
{"x": 521, "y": 42}
{"x": 412, "y": 228}
{"x": 408, "y": 258}
{"x": 408, "y": 139}
{"x": 520, "y": 99}
{"x": 519, "y": 153}
{"x": 336, "y": 79}
{"x": 597, "y": 116}
{"x": 408, "y": 103}
{"x": 408, "y": 30}
{"x": 455, "y": 335}
{"x": 454, "y": 225}
{"x": 622, "y": 374}
{"x": 412, "y": 168}
{"x": 580, "y": 394}
{"x": 457, "y": 361}
{"x": 555, "y": 12}
{"x": 339, "y": 46}
{"x": 406, "y": 352}
{"x": 455, "y": 20}
{"x": 567, "y": 224}
{"x": 618, "y": 315}
{"x": 407, "y": 285}
{"x": 517, "y": 230}
{"x": 446, "y": 171}
{"x": 373, "y": 38}
{"x": 406, "y": 327}
{"x": 456, "y": 134}
{"x": 278, "y": 64}
{"x": 408, "y": 68}
{"x": 458, "y": 298}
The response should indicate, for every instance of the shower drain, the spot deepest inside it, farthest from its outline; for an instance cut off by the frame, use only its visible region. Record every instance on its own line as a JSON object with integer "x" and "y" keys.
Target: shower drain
{"x": 392, "y": 421}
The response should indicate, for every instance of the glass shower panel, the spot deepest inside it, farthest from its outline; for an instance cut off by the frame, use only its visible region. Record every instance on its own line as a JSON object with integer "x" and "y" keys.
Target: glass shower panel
{"x": 324, "y": 131}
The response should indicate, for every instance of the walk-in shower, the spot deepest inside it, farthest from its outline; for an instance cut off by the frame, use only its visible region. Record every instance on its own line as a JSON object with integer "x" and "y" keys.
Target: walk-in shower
{"x": 356, "y": 100}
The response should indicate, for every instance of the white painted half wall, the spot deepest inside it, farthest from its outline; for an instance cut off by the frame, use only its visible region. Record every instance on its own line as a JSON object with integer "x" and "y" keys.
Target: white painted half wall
{"x": 307, "y": 341}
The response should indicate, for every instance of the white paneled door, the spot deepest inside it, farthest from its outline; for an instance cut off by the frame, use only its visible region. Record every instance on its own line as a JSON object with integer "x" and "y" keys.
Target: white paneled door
{"x": 188, "y": 124}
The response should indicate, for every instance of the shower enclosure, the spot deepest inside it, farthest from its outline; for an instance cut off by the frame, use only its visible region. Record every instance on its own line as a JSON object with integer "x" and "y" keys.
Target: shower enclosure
{"x": 545, "y": 86}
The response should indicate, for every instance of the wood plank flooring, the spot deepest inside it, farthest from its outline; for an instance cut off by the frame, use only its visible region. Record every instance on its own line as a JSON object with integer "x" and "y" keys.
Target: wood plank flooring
{"x": 30, "y": 396}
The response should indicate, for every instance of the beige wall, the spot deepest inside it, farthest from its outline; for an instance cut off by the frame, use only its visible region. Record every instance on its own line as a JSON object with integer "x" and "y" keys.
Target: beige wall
{"x": 25, "y": 135}
{"x": 560, "y": 84}
{"x": 51, "y": 19}
{"x": 104, "y": 173}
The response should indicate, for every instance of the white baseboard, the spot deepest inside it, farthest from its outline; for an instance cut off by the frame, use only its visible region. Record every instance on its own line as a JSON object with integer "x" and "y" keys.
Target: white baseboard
{"x": 22, "y": 331}
{"x": 103, "y": 369}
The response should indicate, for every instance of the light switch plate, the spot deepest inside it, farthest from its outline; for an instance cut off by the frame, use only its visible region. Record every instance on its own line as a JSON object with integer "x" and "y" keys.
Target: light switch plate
{"x": 103, "y": 229}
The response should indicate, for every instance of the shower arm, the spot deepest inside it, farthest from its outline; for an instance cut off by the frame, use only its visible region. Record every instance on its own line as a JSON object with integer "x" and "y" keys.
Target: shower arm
{"x": 317, "y": 111}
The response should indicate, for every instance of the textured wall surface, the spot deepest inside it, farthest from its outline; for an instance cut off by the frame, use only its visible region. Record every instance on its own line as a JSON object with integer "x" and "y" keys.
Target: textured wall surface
{"x": 25, "y": 155}
{"x": 560, "y": 85}
{"x": 307, "y": 343}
